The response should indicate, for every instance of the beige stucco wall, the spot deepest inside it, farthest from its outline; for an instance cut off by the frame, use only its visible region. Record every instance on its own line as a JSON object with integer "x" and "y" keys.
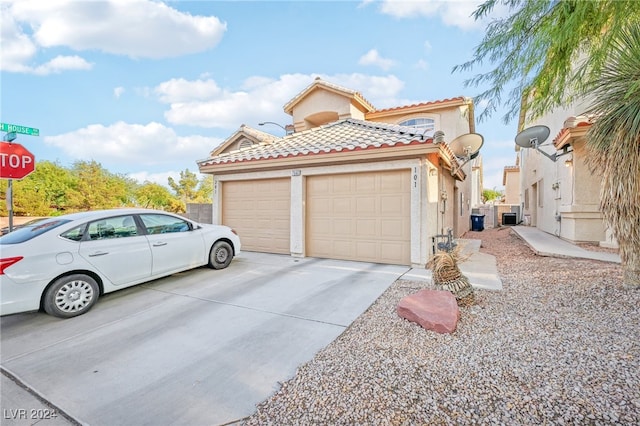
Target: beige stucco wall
{"x": 566, "y": 198}
{"x": 319, "y": 101}
{"x": 512, "y": 187}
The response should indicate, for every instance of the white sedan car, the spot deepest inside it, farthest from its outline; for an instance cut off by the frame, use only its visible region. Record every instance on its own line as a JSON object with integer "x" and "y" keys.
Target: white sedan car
{"x": 63, "y": 264}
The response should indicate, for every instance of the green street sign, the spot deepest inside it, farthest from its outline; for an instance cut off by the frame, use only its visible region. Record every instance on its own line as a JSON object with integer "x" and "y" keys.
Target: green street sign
{"x": 5, "y": 127}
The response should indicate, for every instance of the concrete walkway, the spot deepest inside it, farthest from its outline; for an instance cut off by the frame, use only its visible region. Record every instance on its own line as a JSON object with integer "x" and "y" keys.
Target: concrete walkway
{"x": 544, "y": 244}
{"x": 480, "y": 268}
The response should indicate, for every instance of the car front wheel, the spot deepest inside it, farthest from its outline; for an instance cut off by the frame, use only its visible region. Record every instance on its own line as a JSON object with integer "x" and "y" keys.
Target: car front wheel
{"x": 71, "y": 296}
{"x": 220, "y": 255}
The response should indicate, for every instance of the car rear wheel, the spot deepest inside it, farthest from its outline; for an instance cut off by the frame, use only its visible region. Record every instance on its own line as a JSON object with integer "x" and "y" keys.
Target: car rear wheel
{"x": 220, "y": 255}
{"x": 71, "y": 296}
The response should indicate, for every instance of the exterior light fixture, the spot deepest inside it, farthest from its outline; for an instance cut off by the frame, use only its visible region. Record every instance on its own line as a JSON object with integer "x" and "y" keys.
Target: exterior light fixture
{"x": 568, "y": 162}
{"x": 288, "y": 129}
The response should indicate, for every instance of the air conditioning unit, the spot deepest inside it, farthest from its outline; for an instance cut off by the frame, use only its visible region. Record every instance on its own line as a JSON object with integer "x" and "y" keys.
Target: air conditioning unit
{"x": 509, "y": 219}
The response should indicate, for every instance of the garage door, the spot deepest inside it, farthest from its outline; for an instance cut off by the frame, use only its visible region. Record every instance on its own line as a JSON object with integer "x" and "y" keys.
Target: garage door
{"x": 259, "y": 211}
{"x": 360, "y": 216}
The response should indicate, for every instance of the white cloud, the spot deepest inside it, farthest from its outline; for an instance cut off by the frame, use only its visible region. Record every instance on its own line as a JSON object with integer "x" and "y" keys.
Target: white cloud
{"x": 259, "y": 99}
{"x": 372, "y": 57}
{"x": 118, "y": 91}
{"x": 161, "y": 178}
{"x": 62, "y": 63}
{"x": 422, "y": 64}
{"x": 132, "y": 145}
{"x": 427, "y": 46}
{"x": 18, "y": 50}
{"x": 454, "y": 13}
{"x": 180, "y": 90}
{"x": 138, "y": 29}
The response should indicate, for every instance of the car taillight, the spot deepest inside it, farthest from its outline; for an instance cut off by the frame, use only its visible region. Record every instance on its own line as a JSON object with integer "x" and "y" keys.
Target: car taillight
{"x": 8, "y": 261}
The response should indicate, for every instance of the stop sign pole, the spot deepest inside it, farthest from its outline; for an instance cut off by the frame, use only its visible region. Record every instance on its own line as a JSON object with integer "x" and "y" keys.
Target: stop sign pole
{"x": 16, "y": 161}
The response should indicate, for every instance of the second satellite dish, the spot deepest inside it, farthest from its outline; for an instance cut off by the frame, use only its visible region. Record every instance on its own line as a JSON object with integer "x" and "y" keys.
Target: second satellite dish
{"x": 533, "y": 136}
{"x": 467, "y": 146}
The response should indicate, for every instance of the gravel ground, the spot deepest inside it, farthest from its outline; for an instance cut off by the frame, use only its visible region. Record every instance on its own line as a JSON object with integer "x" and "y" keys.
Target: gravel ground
{"x": 559, "y": 345}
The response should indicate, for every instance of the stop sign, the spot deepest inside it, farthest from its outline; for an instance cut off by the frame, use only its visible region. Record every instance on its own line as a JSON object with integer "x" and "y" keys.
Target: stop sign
{"x": 15, "y": 161}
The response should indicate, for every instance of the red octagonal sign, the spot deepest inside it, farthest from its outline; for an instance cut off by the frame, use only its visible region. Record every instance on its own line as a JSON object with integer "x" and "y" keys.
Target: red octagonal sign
{"x": 15, "y": 161}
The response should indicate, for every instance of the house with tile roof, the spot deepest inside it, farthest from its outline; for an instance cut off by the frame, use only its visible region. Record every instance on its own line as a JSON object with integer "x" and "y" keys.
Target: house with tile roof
{"x": 350, "y": 182}
{"x": 561, "y": 196}
{"x": 511, "y": 182}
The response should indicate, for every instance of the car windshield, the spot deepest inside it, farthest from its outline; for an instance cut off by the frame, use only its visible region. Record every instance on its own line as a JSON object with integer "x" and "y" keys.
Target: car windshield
{"x": 28, "y": 232}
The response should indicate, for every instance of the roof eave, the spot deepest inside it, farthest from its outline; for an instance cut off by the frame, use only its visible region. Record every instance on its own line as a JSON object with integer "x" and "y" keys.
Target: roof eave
{"x": 570, "y": 135}
{"x": 422, "y": 107}
{"x": 385, "y": 153}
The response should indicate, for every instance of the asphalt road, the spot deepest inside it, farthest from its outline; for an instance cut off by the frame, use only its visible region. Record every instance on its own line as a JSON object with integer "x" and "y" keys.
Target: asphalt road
{"x": 201, "y": 347}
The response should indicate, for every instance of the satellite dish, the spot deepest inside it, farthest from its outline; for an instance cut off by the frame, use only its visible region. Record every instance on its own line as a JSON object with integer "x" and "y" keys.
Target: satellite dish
{"x": 533, "y": 136}
{"x": 467, "y": 146}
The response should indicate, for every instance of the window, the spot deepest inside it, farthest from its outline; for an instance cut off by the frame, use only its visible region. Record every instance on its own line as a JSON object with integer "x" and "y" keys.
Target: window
{"x": 112, "y": 227}
{"x": 75, "y": 234}
{"x": 428, "y": 124}
{"x": 162, "y": 224}
{"x": 30, "y": 231}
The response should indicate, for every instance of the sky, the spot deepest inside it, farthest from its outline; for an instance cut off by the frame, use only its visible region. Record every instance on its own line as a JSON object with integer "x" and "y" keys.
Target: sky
{"x": 148, "y": 88}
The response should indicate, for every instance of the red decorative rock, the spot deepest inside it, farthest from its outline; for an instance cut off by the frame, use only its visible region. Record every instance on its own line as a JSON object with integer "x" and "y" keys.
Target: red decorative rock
{"x": 435, "y": 310}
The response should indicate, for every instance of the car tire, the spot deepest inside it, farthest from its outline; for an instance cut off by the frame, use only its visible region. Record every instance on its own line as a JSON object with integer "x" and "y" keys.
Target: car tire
{"x": 71, "y": 296}
{"x": 220, "y": 255}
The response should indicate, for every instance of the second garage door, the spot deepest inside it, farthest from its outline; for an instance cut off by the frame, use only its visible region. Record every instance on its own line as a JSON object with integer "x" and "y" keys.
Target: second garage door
{"x": 360, "y": 216}
{"x": 259, "y": 211}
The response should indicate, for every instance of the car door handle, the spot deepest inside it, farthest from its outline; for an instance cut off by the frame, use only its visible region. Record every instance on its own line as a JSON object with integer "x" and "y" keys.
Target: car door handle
{"x": 159, "y": 244}
{"x": 98, "y": 253}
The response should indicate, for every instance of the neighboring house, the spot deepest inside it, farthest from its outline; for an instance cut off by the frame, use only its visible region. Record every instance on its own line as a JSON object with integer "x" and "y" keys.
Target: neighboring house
{"x": 351, "y": 182}
{"x": 563, "y": 197}
{"x": 511, "y": 182}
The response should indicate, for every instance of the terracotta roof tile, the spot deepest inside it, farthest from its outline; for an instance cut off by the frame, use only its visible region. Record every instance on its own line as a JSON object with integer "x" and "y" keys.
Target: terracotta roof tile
{"x": 344, "y": 135}
{"x": 422, "y": 104}
{"x": 569, "y": 124}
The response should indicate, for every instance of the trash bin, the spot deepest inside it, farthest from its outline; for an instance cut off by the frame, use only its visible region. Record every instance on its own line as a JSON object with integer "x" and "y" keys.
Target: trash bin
{"x": 477, "y": 222}
{"x": 509, "y": 219}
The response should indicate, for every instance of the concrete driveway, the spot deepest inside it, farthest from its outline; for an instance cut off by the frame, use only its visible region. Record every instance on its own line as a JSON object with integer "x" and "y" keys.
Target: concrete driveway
{"x": 198, "y": 348}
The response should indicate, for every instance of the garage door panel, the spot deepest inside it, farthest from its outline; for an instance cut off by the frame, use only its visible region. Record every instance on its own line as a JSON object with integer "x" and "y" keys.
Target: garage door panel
{"x": 366, "y": 206}
{"x": 342, "y": 248}
{"x": 366, "y": 227}
{"x": 340, "y": 226}
{"x": 340, "y": 185}
{"x": 365, "y": 183}
{"x": 259, "y": 211}
{"x": 392, "y": 251}
{"x": 367, "y": 250}
{"x": 340, "y": 206}
{"x": 366, "y": 217}
{"x": 392, "y": 229}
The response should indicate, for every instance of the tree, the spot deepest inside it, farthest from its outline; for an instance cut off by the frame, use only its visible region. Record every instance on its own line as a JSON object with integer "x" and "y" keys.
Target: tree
{"x": 191, "y": 190}
{"x": 43, "y": 192}
{"x": 549, "y": 49}
{"x": 614, "y": 144}
{"x": 154, "y": 196}
{"x": 491, "y": 194}
{"x": 97, "y": 188}
{"x": 561, "y": 50}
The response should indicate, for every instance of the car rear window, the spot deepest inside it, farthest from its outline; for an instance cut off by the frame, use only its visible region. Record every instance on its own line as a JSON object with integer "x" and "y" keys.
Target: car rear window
{"x": 28, "y": 232}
